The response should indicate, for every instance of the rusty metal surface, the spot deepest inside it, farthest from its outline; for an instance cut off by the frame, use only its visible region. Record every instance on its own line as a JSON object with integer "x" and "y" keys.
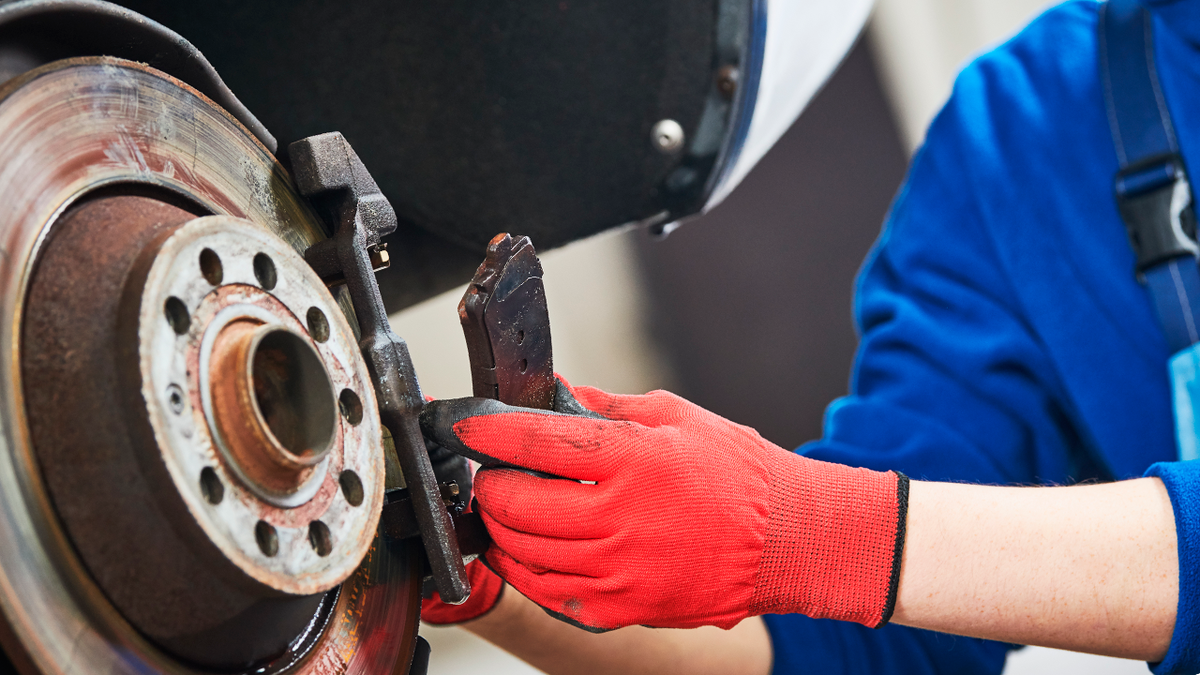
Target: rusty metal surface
{"x": 267, "y": 462}
{"x": 117, "y": 508}
{"x": 133, "y": 127}
{"x": 82, "y": 440}
{"x": 329, "y": 172}
{"x": 507, "y": 326}
{"x": 373, "y": 630}
{"x": 175, "y": 579}
{"x": 216, "y": 365}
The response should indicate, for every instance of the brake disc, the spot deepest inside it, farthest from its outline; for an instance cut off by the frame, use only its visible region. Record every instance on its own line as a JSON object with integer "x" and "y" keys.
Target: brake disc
{"x": 191, "y": 459}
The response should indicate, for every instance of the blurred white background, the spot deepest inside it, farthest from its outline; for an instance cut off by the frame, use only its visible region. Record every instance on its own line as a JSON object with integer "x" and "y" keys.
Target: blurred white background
{"x": 599, "y": 306}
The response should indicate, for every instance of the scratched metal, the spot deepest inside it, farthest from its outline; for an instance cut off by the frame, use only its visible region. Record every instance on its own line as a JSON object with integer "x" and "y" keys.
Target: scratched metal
{"x": 66, "y": 129}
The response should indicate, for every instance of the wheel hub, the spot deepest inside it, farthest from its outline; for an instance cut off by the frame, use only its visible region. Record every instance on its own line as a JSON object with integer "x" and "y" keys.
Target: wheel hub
{"x": 262, "y": 358}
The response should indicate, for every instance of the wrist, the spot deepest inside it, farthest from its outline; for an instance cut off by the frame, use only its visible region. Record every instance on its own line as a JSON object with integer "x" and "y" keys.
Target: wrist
{"x": 834, "y": 542}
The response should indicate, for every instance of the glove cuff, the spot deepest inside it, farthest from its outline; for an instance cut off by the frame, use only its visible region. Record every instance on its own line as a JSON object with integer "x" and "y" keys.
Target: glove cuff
{"x": 834, "y": 542}
{"x": 486, "y": 589}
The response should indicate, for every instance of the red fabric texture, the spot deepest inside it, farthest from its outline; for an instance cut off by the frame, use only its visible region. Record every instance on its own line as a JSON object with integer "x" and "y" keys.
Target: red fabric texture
{"x": 486, "y": 589}
{"x": 833, "y": 559}
{"x": 676, "y": 517}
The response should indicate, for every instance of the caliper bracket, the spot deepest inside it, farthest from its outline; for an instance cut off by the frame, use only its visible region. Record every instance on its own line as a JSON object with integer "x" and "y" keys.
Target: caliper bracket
{"x": 330, "y": 174}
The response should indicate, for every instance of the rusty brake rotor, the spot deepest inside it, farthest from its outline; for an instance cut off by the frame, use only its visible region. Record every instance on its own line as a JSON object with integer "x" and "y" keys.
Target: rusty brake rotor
{"x": 190, "y": 455}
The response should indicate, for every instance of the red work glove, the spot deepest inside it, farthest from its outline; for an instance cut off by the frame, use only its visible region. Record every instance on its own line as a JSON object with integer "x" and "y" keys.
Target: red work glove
{"x": 486, "y": 589}
{"x": 672, "y": 516}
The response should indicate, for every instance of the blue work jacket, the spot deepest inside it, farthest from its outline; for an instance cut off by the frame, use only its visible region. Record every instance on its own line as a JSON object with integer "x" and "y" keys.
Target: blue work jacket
{"x": 1005, "y": 338}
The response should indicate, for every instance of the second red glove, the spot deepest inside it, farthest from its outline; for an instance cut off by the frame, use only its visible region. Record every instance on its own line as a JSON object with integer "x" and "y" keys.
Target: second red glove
{"x": 486, "y": 590}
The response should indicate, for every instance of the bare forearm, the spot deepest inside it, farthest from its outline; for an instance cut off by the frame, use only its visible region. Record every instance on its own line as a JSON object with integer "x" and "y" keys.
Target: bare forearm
{"x": 1087, "y": 568}
{"x": 521, "y": 628}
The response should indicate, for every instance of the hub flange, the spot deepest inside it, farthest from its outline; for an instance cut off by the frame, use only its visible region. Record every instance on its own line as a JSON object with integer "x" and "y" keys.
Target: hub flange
{"x": 288, "y": 487}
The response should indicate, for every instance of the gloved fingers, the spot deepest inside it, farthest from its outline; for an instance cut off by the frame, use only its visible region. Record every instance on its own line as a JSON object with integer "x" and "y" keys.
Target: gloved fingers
{"x": 552, "y": 507}
{"x": 439, "y": 417}
{"x": 653, "y": 409}
{"x": 596, "y": 400}
{"x": 583, "y": 558}
{"x": 493, "y": 433}
{"x": 556, "y": 593}
{"x": 657, "y": 408}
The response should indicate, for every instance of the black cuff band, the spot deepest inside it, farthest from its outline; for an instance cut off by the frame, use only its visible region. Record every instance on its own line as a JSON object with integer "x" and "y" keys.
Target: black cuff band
{"x": 898, "y": 550}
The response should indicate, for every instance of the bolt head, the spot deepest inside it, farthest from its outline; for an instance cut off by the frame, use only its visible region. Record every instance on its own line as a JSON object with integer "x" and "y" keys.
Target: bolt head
{"x": 667, "y": 136}
{"x": 727, "y": 81}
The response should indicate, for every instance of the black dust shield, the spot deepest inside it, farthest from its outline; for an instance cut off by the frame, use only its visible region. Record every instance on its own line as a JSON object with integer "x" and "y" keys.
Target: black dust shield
{"x": 552, "y": 118}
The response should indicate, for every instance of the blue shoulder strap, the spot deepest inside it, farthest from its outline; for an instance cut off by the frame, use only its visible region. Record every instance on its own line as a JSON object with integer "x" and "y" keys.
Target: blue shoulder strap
{"x": 1151, "y": 188}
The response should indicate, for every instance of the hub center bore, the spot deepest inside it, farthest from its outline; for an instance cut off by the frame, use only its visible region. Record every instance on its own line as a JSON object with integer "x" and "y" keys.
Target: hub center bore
{"x": 273, "y": 402}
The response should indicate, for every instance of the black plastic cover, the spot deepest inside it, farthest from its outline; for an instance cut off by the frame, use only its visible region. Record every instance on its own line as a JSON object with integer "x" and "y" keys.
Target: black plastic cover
{"x": 477, "y": 118}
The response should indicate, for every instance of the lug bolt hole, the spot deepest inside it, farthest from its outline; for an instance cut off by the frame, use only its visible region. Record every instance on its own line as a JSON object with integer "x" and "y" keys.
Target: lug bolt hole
{"x": 210, "y": 267}
{"x": 352, "y": 487}
{"x": 177, "y": 315}
{"x": 213, "y": 489}
{"x": 175, "y": 398}
{"x": 524, "y": 365}
{"x": 320, "y": 538}
{"x": 318, "y": 325}
{"x": 264, "y": 271}
{"x": 351, "y": 407}
{"x": 267, "y": 537}
{"x": 520, "y": 336}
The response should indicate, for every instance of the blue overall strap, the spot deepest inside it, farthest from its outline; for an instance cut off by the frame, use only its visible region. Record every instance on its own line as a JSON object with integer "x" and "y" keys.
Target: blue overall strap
{"x": 1151, "y": 188}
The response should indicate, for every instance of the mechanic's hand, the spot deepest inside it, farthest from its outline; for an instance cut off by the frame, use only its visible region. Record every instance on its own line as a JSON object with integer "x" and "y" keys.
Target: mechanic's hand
{"x": 670, "y": 516}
